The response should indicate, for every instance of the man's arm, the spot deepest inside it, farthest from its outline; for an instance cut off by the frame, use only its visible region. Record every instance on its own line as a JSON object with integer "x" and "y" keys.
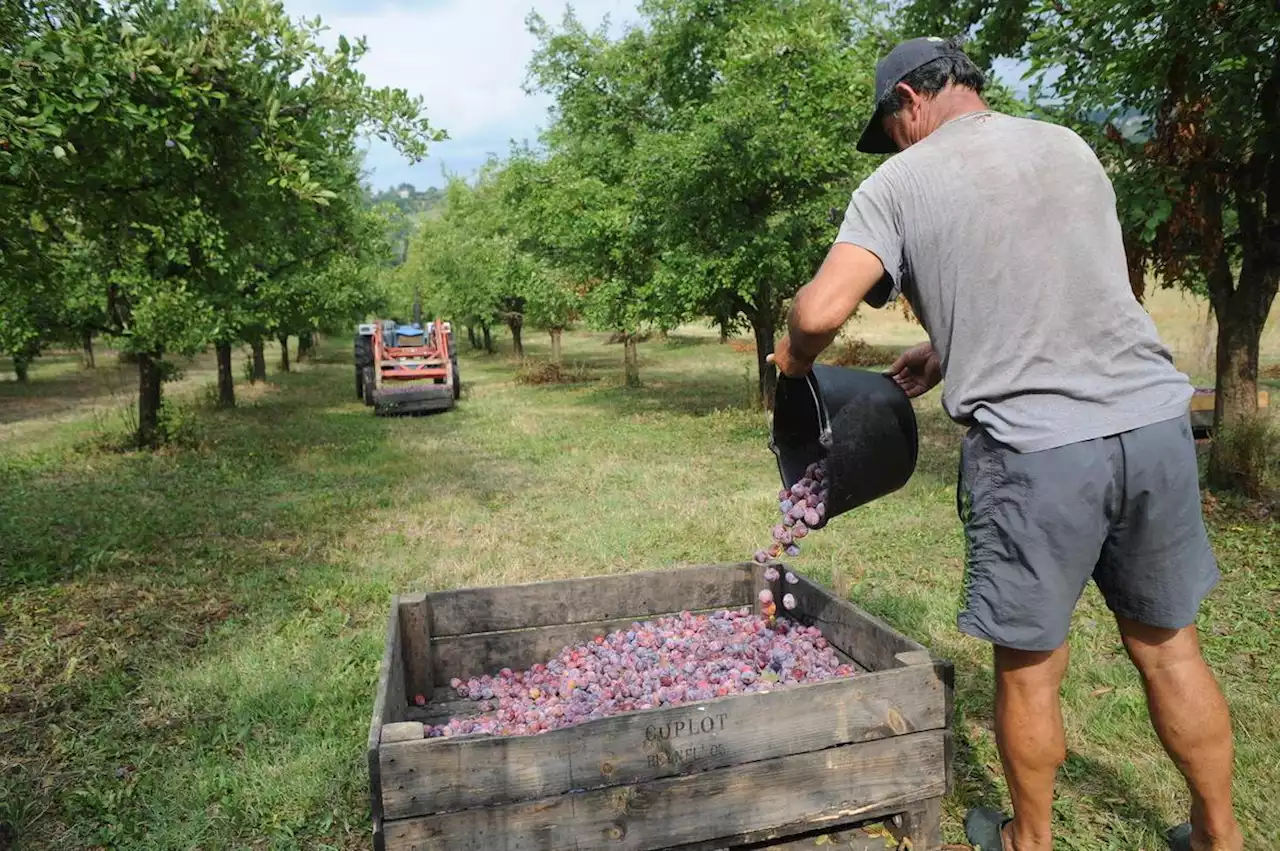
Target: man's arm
{"x": 822, "y": 306}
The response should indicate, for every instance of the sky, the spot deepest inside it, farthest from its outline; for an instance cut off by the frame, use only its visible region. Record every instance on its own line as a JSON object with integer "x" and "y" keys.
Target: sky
{"x": 467, "y": 59}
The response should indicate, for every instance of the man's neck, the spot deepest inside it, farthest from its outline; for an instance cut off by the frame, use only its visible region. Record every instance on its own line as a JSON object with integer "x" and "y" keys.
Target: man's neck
{"x": 955, "y": 102}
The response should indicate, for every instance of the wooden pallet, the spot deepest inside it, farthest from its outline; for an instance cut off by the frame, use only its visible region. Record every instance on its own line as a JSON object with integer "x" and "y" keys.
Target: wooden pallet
{"x": 748, "y": 770}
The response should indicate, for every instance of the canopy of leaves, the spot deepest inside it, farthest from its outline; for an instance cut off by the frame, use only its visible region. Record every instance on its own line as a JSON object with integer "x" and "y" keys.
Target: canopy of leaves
{"x": 199, "y": 151}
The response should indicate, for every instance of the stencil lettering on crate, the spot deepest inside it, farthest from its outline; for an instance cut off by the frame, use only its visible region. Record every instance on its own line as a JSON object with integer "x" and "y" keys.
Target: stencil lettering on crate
{"x": 670, "y": 743}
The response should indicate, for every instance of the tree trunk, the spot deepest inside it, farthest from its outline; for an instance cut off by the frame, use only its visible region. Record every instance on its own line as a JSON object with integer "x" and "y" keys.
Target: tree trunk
{"x": 488, "y": 339}
{"x": 1241, "y": 312}
{"x": 284, "y": 352}
{"x": 20, "y": 364}
{"x": 630, "y": 360}
{"x": 555, "y": 345}
{"x": 724, "y": 334}
{"x": 471, "y": 337}
{"x": 86, "y": 345}
{"x": 766, "y": 373}
{"x": 516, "y": 323}
{"x": 306, "y": 346}
{"x": 259, "y": 361}
{"x": 149, "y": 388}
{"x": 226, "y": 380}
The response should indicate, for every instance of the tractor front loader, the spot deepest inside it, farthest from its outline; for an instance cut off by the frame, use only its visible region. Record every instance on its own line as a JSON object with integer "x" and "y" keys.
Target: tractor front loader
{"x": 403, "y": 369}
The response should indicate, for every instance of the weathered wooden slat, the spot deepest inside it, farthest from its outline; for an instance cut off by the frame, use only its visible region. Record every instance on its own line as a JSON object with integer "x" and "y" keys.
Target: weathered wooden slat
{"x": 922, "y": 824}
{"x": 869, "y": 640}
{"x": 438, "y": 775}
{"x": 872, "y": 821}
{"x": 466, "y": 656}
{"x": 873, "y": 837}
{"x": 819, "y": 786}
{"x": 597, "y": 598}
{"x": 402, "y": 731}
{"x": 913, "y": 657}
{"x": 847, "y": 839}
{"x": 388, "y": 703}
{"x": 415, "y": 638}
{"x": 758, "y": 584}
{"x": 440, "y": 711}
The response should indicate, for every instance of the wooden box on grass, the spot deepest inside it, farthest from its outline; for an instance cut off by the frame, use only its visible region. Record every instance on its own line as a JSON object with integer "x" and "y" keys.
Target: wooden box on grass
{"x": 722, "y": 773}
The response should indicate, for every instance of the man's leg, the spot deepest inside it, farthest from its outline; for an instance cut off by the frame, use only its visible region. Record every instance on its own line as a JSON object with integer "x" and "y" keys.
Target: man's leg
{"x": 1030, "y": 737}
{"x": 1035, "y": 525}
{"x": 1156, "y": 569}
{"x": 1191, "y": 718}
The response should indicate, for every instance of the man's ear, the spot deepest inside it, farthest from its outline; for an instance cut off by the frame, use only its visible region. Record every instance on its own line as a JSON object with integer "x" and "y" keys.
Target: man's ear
{"x": 910, "y": 97}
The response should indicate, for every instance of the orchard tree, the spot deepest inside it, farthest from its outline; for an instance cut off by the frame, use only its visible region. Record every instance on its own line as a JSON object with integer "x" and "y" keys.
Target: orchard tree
{"x": 529, "y": 197}
{"x": 158, "y": 129}
{"x": 595, "y": 226}
{"x": 451, "y": 263}
{"x": 553, "y": 303}
{"x": 742, "y": 203}
{"x": 1182, "y": 103}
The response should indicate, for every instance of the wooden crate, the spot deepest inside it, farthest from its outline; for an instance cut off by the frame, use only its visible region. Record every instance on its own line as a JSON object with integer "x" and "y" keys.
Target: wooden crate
{"x": 729, "y": 772}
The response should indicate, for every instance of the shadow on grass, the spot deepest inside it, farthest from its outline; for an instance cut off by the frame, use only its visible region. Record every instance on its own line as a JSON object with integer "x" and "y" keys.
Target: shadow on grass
{"x": 59, "y": 383}
{"x": 662, "y": 394}
{"x": 113, "y": 565}
{"x": 310, "y": 459}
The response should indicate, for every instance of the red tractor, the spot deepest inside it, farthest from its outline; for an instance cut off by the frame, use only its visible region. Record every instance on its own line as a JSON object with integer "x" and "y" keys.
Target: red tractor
{"x": 402, "y": 369}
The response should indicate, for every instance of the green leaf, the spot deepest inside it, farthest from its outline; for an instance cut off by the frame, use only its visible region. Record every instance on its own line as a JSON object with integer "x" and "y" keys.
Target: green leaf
{"x": 59, "y": 153}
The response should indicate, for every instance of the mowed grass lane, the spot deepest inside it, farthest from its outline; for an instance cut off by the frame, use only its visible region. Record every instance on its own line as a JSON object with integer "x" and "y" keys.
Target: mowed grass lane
{"x": 192, "y": 636}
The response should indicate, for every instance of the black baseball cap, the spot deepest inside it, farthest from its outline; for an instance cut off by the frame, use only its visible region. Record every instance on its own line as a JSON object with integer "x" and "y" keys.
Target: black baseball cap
{"x": 901, "y": 61}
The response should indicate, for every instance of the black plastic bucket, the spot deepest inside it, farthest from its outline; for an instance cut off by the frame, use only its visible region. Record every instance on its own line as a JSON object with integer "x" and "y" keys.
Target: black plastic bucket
{"x": 860, "y": 422}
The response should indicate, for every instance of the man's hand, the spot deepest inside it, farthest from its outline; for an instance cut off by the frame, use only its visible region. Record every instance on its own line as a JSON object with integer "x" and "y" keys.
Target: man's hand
{"x": 917, "y": 370}
{"x": 787, "y": 362}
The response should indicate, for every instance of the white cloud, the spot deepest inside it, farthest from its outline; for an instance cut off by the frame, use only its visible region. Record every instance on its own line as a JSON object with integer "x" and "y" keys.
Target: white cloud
{"x": 467, "y": 58}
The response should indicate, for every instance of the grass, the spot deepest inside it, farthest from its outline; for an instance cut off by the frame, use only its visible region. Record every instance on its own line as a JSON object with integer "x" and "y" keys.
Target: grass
{"x": 191, "y": 637}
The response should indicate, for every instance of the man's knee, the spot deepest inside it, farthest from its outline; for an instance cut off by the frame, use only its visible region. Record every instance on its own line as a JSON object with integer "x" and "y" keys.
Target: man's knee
{"x": 1031, "y": 669}
{"x": 1155, "y": 650}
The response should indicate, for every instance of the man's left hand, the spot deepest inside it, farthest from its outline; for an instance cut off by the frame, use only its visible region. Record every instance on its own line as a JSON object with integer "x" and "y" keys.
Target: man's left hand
{"x": 788, "y": 363}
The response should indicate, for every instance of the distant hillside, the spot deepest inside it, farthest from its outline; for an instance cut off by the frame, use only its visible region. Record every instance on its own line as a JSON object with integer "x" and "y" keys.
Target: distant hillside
{"x": 412, "y": 207}
{"x": 408, "y": 199}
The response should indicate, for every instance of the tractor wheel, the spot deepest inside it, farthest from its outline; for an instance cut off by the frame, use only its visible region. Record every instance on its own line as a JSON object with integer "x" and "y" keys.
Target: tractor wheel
{"x": 368, "y": 385}
{"x": 364, "y": 350}
{"x": 359, "y": 382}
{"x": 457, "y": 381}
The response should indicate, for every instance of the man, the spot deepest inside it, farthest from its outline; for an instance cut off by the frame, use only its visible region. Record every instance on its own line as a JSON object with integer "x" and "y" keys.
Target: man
{"x": 1079, "y": 462}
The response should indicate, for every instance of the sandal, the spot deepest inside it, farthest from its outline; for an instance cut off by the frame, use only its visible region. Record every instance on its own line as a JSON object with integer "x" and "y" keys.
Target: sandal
{"x": 983, "y": 828}
{"x": 1180, "y": 837}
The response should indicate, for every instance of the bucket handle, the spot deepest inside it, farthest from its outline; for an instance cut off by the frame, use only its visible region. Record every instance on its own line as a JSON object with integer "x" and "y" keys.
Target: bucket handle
{"x": 824, "y": 419}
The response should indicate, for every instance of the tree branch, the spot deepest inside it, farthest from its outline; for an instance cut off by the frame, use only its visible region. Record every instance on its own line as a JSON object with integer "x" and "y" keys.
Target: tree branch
{"x": 298, "y": 261}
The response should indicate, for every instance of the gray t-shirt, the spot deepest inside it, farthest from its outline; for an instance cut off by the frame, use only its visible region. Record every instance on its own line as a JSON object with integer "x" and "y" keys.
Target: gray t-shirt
{"x": 1002, "y": 234}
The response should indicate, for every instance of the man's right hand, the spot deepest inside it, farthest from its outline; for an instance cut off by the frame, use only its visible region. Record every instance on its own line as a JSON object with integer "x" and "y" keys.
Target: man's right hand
{"x": 917, "y": 370}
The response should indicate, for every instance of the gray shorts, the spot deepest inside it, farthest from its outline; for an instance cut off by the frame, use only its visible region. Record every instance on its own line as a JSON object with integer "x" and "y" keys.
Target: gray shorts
{"x": 1124, "y": 510}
